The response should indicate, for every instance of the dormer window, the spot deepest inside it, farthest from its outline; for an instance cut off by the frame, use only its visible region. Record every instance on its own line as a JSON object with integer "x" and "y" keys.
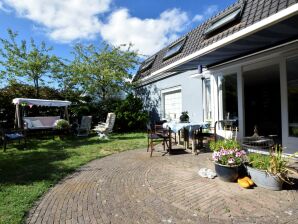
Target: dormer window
{"x": 175, "y": 49}
{"x": 228, "y": 17}
{"x": 147, "y": 63}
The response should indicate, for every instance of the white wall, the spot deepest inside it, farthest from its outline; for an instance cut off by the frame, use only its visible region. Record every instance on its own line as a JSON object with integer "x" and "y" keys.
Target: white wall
{"x": 191, "y": 90}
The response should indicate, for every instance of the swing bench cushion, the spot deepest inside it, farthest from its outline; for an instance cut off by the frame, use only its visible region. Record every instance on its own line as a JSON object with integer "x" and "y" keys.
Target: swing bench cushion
{"x": 48, "y": 122}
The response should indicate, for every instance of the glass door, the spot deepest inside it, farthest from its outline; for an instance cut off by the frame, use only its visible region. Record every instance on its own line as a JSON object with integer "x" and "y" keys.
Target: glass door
{"x": 262, "y": 101}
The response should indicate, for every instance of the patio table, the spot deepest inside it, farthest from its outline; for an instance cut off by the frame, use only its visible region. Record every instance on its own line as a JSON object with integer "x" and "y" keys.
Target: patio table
{"x": 189, "y": 127}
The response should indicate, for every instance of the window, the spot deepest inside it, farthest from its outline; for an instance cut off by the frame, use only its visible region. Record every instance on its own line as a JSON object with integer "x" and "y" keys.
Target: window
{"x": 226, "y": 18}
{"x": 172, "y": 104}
{"x": 207, "y": 99}
{"x": 229, "y": 97}
{"x": 292, "y": 79}
{"x": 147, "y": 63}
{"x": 175, "y": 49}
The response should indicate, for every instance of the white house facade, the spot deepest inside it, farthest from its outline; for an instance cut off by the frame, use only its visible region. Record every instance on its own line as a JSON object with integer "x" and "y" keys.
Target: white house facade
{"x": 242, "y": 64}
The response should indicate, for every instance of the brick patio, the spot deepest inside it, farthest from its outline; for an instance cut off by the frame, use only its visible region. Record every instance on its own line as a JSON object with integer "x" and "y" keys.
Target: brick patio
{"x": 130, "y": 187}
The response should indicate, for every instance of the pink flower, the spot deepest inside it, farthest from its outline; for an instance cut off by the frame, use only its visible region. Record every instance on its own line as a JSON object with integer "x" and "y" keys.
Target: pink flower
{"x": 238, "y": 154}
{"x": 215, "y": 156}
{"x": 224, "y": 152}
{"x": 231, "y": 151}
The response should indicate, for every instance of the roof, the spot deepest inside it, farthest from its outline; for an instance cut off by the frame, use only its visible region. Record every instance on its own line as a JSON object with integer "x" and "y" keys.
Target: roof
{"x": 40, "y": 102}
{"x": 253, "y": 12}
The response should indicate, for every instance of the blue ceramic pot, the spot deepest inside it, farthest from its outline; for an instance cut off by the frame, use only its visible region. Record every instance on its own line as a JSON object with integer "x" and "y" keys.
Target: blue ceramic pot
{"x": 227, "y": 173}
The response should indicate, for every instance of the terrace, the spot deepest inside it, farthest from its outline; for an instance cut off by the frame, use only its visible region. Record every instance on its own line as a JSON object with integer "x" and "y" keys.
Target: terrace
{"x": 131, "y": 187}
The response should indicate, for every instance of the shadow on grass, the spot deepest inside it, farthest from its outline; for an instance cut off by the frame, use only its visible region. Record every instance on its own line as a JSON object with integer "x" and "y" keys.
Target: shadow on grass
{"x": 66, "y": 143}
{"x": 40, "y": 160}
{"x": 27, "y": 167}
{"x": 44, "y": 159}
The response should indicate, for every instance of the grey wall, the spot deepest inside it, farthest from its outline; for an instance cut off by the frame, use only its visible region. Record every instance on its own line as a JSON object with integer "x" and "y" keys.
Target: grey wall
{"x": 191, "y": 90}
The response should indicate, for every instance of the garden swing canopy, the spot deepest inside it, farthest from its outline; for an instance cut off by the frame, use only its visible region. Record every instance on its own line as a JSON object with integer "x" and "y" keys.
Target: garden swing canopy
{"x": 41, "y": 102}
{"x": 38, "y": 102}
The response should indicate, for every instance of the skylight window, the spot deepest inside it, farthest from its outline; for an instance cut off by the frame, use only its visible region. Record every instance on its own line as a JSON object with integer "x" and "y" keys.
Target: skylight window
{"x": 226, "y": 19}
{"x": 147, "y": 63}
{"x": 175, "y": 49}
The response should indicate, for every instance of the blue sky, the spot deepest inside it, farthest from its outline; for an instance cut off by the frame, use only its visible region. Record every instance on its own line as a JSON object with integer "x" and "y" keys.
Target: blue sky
{"x": 149, "y": 25}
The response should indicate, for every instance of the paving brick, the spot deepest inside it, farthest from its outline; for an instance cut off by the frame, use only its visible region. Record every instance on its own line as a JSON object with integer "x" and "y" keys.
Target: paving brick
{"x": 131, "y": 187}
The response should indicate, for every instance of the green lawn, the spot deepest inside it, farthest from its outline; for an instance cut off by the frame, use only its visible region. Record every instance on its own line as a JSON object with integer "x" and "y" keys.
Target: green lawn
{"x": 26, "y": 174}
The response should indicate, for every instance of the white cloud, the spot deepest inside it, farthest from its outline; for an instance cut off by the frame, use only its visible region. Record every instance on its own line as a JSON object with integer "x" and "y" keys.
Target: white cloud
{"x": 63, "y": 20}
{"x": 147, "y": 35}
{"x": 198, "y": 18}
{"x": 210, "y": 11}
{"x": 2, "y": 8}
{"x": 69, "y": 20}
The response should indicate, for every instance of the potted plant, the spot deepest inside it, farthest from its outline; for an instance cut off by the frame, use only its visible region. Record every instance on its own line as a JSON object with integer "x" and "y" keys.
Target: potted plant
{"x": 184, "y": 117}
{"x": 62, "y": 126}
{"x": 269, "y": 171}
{"x": 228, "y": 157}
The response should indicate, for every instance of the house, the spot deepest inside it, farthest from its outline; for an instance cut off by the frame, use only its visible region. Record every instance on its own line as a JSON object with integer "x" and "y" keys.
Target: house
{"x": 240, "y": 64}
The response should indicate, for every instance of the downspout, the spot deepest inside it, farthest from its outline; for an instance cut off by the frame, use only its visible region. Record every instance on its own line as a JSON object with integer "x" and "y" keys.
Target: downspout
{"x": 203, "y": 104}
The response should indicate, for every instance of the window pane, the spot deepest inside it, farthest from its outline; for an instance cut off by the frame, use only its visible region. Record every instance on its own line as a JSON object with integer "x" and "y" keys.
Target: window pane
{"x": 229, "y": 97}
{"x": 175, "y": 49}
{"x": 292, "y": 78}
{"x": 147, "y": 63}
{"x": 227, "y": 19}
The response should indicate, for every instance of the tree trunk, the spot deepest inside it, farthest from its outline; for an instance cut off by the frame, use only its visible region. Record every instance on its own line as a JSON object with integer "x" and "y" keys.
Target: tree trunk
{"x": 103, "y": 94}
{"x": 36, "y": 84}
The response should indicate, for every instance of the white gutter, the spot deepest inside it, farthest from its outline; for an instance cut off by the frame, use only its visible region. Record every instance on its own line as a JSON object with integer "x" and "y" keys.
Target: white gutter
{"x": 282, "y": 15}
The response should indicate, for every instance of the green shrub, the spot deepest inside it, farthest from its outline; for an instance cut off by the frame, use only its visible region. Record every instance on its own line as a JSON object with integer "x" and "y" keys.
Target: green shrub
{"x": 18, "y": 90}
{"x": 259, "y": 161}
{"x": 62, "y": 124}
{"x": 130, "y": 115}
{"x": 274, "y": 163}
{"x": 223, "y": 144}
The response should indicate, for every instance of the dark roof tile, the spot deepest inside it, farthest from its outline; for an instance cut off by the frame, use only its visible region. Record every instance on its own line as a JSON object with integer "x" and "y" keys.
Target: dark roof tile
{"x": 254, "y": 11}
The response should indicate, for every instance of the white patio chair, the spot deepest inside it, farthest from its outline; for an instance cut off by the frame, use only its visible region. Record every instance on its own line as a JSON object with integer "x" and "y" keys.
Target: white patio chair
{"x": 103, "y": 129}
{"x": 84, "y": 128}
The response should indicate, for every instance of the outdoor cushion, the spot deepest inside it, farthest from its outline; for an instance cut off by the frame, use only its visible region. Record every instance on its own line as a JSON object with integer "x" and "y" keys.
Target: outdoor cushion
{"x": 37, "y": 124}
{"x": 28, "y": 122}
{"x": 45, "y": 122}
{"x": 13, "y": 136}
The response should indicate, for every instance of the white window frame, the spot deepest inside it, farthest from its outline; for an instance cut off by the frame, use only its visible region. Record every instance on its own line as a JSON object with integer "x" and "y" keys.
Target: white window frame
{"x": 289, "y": 141}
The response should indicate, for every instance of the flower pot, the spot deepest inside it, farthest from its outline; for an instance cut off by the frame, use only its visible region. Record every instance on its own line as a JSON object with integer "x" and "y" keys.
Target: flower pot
{"x": 263, "y": 179}
{"x": 226, "y": 173}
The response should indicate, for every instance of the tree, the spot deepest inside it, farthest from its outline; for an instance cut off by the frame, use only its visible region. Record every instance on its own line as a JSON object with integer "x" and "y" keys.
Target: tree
{"x": 130, "y": 114}
{"x": 29, "y": 61}
{"x": 103, "y": 71}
